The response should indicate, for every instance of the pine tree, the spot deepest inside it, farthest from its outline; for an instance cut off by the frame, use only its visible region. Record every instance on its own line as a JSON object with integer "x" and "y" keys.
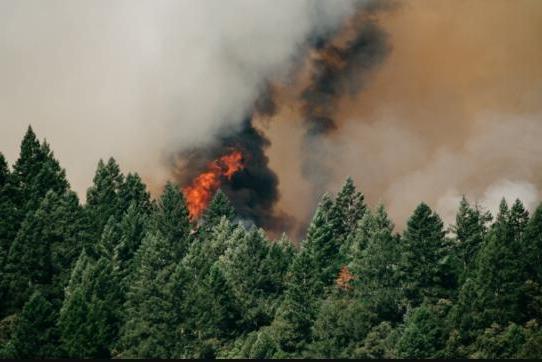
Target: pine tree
{"x": 8, "y": 220}
{"x": 425, "y": 332}
{"x": 295, "y": 316}
{"x": 376, "y": 259}
{"x": 380, "y": 343}
{"x": 498, "y": 342}
{"x": 172, "y": 221}
{"x": 222, "y": 315}
{"x": 133, "y": 228}
{"x": 89, "y": 318}
{"x": 149, "y": 330}
{"x": 423, "y": 258}
{"x": 321, "y": 244}
{"x": 194, "y": 292}
{"x": 219, "y": 207}
{"x": 470, "y": 229}
{"x": 499, "y": 279}
{"x": 102, "y": 197}
{"x": 347, "y": 211}
{"x": 45, "y": 248}
{"x": 35, "y": 335}
{"x": 133, "y": 191}
{"x": 531, "y": 252}
{"x": 254, "y": 270}
{"x": 36, "y": 172}
{"x": 342, "y": 323}
{"x": 4, "y": 171}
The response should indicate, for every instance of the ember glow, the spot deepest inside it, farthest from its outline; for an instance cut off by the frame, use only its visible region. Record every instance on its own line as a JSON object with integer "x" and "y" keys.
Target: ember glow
{"x": 199, "y": 193}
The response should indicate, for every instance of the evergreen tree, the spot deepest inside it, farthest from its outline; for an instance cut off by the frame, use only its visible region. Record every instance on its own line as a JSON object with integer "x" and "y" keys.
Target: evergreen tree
{"x": 4, "y": 171}
{"x": 295, "y": 317}
{"x": 380, "y": 343}
{"x": 44, "y": 250}
{"x": 172, "y": 221}
{"x": 470, "y": 229}
{"x": 8, "y": 210}
{"x": 133, "y": 191}
{"x": 36, "y": 172}
{"x": 425, "y": 332}
{"x": 35, "y": 335}
{"x": 254, "y": 270}
{"x": 424, "y": 252}
{"x": 102, "y": 197}
{"x": 203, "y": 289}
{"x": 109, "y": 240}
{"x": 89, "y": 318}
{"x": 497, "y": 342}
{"x": 220, "y": 319}
{"x": 321, "y": 245}
{"x": 8, "y": 223}
{"x": 532, "y": 348}
{"x": 348, "y": 209}
{"x": 149, "y": 330}
{"x": 342, "y": 324}
{"x": 220, "y": 206}
{"x": 530, "y": 252}
{"x": 499, "y": 278}
{"x": 376, "y": 258}
{"x": 133, "y": 228}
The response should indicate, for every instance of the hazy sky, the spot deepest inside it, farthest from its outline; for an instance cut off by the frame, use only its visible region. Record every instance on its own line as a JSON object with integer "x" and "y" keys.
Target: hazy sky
{"x": 139, "y": 79}
{"x": 455, "y": 109}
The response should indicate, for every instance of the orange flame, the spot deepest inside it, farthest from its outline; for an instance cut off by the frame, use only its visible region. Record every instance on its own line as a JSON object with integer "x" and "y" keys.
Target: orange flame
{"x": 199, "y": 193}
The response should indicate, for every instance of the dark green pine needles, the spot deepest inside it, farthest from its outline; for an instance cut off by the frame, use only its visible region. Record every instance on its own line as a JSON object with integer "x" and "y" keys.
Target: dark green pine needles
{"x": 124, "y": 276}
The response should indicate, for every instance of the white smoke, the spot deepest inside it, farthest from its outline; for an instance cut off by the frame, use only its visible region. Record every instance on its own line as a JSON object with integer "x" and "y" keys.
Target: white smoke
{"x": 139, "y": 79}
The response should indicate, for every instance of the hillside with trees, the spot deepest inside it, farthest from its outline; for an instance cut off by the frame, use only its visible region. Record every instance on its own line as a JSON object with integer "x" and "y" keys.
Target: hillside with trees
{"x": 126, "y": 276}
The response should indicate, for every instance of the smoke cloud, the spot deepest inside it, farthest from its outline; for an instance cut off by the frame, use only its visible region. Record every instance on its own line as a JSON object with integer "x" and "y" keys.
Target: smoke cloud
{"x": 454, "y": 109}
{"x": 142, "y": 80}
{"x": 419, "y": 101}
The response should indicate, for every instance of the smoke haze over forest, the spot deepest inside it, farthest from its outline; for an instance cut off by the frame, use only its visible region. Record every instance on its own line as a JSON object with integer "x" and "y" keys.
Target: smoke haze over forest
{"x": 415, "y": 100}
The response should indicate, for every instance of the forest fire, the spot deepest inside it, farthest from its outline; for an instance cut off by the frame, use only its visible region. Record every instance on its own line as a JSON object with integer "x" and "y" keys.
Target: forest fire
{"x": 199, "y": 193}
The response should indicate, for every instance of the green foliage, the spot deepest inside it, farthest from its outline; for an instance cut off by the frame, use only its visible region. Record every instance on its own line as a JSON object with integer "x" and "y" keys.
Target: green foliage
{"x": 470, "y": 229}
{"x": 102, "y": 196}
{"x": 89, "y": 318}
{"x": 321, "y": 245}
{"x": 171, "y": 219}
{"x": 348, "y": 209}
{"x": 44, "y": 250}
{"x": 8, "y": 209}
{"x": 424, "y": 258}
{"x": 499, "y": 278}
{"x": 219, "y": 207}
{"x": 125, "y": 276}
{"x": 255, "y": 271}
{"x": 380, "y": 343}
{"x": 298, "y": 310}
{"x": 342, "y": 322}
{"x": 375, "y": 264}
{"x": 425, "y": 333}
{"x": 133, "y": 191}
{"x": 35, "y": 173}
{"x": 148, "y": 331}
{"x": 497, "y": 342}
{"x": 35, "y": 335}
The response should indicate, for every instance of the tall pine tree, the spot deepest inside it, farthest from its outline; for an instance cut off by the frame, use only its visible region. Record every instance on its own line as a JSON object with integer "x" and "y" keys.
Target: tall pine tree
{"x": 424, "y": 249}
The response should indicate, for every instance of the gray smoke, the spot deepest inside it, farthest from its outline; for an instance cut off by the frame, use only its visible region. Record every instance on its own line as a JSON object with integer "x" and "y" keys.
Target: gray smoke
{"x": 142, "y": 80}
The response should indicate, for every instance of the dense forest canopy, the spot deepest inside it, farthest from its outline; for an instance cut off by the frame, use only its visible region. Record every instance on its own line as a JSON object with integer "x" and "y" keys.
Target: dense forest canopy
{"x": 126, "y": 276}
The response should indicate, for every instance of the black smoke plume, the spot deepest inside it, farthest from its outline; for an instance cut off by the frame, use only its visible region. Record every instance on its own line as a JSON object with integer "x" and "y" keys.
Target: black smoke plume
{"x": 253, "y": 190}
{"x": 338, "y": 70}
